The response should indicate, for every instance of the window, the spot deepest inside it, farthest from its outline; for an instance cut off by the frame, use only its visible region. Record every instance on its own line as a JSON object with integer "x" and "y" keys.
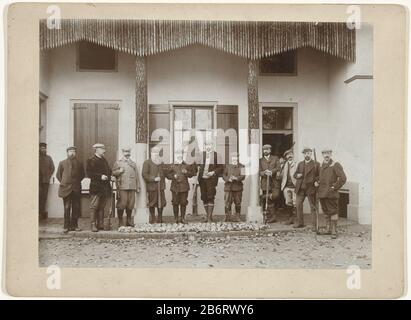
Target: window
{"x": 193, "y": 122}
{"x": 280, "y": 64}
{"x": 92, "y": 57}
{"x": 278, "y": 128}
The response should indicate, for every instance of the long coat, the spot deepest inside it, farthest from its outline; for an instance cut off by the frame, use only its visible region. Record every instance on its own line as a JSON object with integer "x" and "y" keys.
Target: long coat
{"x": 331, "y": 175}
{"x": 180, "y": 184}
{"x": 152, "y": 170}
{"x": 310, "y": 172}
{"x": 293, "y": 167}
{"x": 236, "y": 171}
{"x": 95, "y": 168}
{"x": 213, "y": 166}
{"x": 70, "y": 172}
{"x": 46, "y": 168}
{"x": 126, "y": 174}
{"x": 272, "y": 164}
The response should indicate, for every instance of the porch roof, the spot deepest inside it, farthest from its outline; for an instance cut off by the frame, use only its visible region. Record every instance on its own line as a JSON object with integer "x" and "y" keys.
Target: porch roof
{"x": 247, "y": 39}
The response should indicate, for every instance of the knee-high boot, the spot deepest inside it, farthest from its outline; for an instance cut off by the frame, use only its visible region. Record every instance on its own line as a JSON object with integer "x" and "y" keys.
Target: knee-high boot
{"x": 175, "y": 212}
{"x": 93, "y": 221}
{"x": 210, "y": 213}
{"x": 152, "y": 218}
{"x": 129, "y": 221}
{"x": 160, "y": 215}
{"x": 120, "y": 217}
{"x": 236, "y": 217}
{"x": 183, "y": 214}
{"x": 227, "y": 214}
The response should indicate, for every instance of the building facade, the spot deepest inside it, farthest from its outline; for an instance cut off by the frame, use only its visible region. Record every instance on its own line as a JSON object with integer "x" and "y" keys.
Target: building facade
{"x": 311, "y": 87}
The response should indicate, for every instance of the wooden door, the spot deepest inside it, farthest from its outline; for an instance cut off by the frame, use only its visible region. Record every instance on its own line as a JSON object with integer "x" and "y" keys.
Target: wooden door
{"x": 96, "y": 122}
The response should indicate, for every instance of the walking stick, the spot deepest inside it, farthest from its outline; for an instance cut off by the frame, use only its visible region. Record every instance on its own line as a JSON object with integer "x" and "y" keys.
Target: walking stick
{"x": 107, "y": 226}
{"x": 266, "y": 200}
{"x": 317, "y": 213}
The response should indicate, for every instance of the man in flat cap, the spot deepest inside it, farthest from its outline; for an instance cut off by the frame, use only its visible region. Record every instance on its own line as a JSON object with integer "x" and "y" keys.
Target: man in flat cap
{"x": 233, "y": 176}
{"x": 46, "y": 170}
{"x": 288, "y": 183}
{"x": 332, "y": 178}
{"x": 99, "y": 172}
{"x": 70, "y": 173}
{"x": 307, "y": 176}
{"x": 178, "y": 173}
{"x": 127, "y": 182}
{"x": 269, "y": 166}
{"x": 154, "y": 175}
{"x": 209, "y": 171}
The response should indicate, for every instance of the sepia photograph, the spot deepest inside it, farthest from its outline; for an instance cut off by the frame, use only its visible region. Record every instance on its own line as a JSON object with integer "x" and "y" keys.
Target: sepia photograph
{"x": 205, "y": 151}
{"x": 204, "y": 143}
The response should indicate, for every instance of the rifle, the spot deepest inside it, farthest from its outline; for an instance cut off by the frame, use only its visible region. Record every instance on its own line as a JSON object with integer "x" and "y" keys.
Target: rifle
{"x": 316, "y": 196}
{"x": 266, "y": 200}
{"x": 195, "y": 203}
{"x": 107, "y": 224}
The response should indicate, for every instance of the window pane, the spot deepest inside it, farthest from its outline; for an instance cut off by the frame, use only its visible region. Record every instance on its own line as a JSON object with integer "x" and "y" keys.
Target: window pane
{"x": 184, "y": 116}
{"x": 277, "y": 118}
{"x": 283, "y": 63}
{"x": 204, "y": 119}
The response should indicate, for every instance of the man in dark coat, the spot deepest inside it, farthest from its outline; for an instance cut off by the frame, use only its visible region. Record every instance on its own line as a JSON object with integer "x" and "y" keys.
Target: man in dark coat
{"x": 209, "y": 171}
{"x": 270, "y": 186}
{"x": 46, "y": 170}
{"x": 98, "y": 170}
{"x": 153, "y": 173}
{"x": 233, "y": 176}
{"x": 307, "y": 175}
{"x": 178, "y": 173}
{"x": 332, "y": 178}
{"x": 70, "y": 172}
{"x": 127, "y": 182}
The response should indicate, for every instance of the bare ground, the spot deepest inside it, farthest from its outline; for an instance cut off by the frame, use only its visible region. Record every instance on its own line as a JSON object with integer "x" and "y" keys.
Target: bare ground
{"x": 296, "y": 249}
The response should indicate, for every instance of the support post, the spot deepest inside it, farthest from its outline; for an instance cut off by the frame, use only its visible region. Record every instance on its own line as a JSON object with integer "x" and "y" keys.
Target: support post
{"x": 141, "y": 215}
{"x": 254, "y": 213}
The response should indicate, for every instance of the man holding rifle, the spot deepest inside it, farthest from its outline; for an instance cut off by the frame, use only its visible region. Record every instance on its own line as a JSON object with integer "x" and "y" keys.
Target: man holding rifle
{"x": 307, "y": 176}
{"x": 178, "y": 173}
{"x": 153, "y": 175}
{"x": 269, "y": 166}
{"x": 332, "y": 178}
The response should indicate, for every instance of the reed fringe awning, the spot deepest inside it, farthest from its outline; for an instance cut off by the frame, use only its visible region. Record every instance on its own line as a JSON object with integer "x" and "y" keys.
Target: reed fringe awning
{"x": 247, "y": 39}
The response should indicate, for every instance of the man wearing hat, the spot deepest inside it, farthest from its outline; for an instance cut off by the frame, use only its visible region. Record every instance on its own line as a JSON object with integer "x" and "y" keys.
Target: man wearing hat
{"x": 233, "y": 176}
{"x": 46, "y": 169}
{"x": 154, "y": 175}
{"x": 126, "y": 174}
{"x": 288, "y": 183}
{"x": 307, "y": 176}
{"x": 178, "y": 173}
{"x": 70, "y": 172}
{"x": 269, "y": 166}
{"x": 332, "y": 178}
{"x": 99, "y": 172}
{"x": 209, "y": 172}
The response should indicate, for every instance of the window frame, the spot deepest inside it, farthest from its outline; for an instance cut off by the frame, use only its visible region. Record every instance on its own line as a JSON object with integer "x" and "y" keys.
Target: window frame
{"x": 78, "y": 69}
{"x": 275, "y": 74}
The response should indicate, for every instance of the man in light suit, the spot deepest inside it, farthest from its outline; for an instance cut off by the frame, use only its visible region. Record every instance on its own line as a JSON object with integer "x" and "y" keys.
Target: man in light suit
{"x": 127, "y": 182}
{"x": 288, "y": 183}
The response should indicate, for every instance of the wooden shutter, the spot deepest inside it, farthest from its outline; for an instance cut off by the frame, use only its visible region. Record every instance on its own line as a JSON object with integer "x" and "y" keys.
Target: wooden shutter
{"x": 107, "y": 129}
{"x": 227, "y": 118}
{"x": 159, "y": 118}
{"x": 85, "y": 126}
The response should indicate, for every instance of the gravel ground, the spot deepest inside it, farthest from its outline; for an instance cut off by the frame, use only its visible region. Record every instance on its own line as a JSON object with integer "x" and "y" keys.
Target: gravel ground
{"x": 299, "y": 249}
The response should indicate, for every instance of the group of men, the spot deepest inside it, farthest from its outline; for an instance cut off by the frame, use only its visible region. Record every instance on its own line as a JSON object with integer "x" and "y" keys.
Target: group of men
{"x": 297, "y": 181}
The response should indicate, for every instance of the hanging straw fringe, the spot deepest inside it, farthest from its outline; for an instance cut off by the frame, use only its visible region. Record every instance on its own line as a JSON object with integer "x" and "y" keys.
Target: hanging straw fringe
{"x": 248, "y": 39}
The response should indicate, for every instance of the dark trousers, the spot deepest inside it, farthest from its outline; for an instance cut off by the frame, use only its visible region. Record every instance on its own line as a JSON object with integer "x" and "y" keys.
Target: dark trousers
{"x": 71, "y": 210}
{"x": 179, "y": 198}
{"x": 231, "y": 197}
{"x": 208, "y": 190}
{"x": 97, "y": 205}
{"x": 330, "y": 207}
{"x": 43, "y": 192}
{"x": 301, "y": 195}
